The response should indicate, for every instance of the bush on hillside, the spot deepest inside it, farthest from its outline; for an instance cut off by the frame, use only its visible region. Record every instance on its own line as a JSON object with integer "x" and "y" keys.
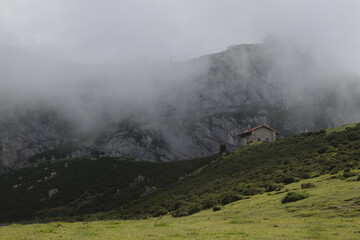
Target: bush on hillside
{"x": 176, "y": 204}
{"x": 354, "y": 136}
{"x": 186, "y": 210}
{"x": 216, "y": 208}
{"x": 229, "y": 198}
{"x": 209, "y": 202}
{"x": 323, "y": 149}
{"x": 269, "y": 187}
{"x": 349, "y": 174}
{"x": 252, "y": 191}
{"x": 160, "y": 212}
{"x": 305, "y": 175}
{"x": 294, "y": 196}
{"x": 307, "y": 185}
{"x": 289, "y": 179}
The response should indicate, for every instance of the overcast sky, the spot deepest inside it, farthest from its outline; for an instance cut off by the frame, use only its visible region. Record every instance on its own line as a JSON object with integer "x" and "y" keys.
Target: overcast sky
{"x": 130, "y": 30}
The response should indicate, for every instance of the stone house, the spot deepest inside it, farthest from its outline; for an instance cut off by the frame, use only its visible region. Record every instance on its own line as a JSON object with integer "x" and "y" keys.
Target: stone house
{"x": 259, "y": 133}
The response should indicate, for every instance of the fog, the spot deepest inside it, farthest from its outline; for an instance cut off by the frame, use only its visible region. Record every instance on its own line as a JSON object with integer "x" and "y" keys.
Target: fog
{"x": 96, "y": 60}
{"x": 113, "y": 31}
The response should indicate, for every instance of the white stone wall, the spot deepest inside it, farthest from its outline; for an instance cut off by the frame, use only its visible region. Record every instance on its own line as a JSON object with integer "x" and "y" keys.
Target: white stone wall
{"x": 261, "y": 134}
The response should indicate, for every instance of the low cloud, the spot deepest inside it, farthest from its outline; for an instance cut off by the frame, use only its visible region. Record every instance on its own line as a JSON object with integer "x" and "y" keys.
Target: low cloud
{"x": 95, "y": 60}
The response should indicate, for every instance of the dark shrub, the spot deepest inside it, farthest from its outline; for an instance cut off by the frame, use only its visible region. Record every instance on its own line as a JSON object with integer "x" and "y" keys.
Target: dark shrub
{"x": 180, "y": 213}
{"x": 217, "y": 208}
{"x": 322, "y": 131}
{"x": 177, "y": 204}
{"x": 187, "y": 210}
{"x": 194, "y": 209}
{"x": 293, "y": 197}
{"x": 250, "y": 191}
{"x": 354, "y": 136}
{"x": 349, "y": 174}
{"x": 269, "y": 187}
{"x": 323, "y": 149}
{"x": 208, "y": 203}
{"x": 288, "y": 180}
{"x": 160, "y": 212}
{"x": 79, "y": 219}
{"x": 229, "y": 198}
{"x": 305, "y": 175}
{"x": 307, "y": 185}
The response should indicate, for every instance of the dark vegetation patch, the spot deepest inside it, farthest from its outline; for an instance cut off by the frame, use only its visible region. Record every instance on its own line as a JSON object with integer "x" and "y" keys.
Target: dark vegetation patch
{"x": 293, "y": 197}
{"x": 307, "y": 185}
{"x": 86, "y": 186}
{"x": 122, "y": 188}
{"x": 216, "y": 208}
{"x": 349, "y": 174}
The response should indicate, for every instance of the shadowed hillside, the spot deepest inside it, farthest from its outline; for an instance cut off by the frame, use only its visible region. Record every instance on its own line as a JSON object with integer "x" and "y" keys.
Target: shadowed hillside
{"x": 330, "y": 212}
{"x": 122, "y": 188}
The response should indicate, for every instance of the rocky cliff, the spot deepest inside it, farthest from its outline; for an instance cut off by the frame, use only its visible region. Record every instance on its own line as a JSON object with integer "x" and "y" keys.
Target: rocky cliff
{"x": 25, "y": 135}
{"x": 207, "y": 101}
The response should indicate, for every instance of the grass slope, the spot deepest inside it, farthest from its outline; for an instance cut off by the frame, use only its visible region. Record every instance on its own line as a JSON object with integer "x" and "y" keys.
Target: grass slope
{"x": 110, "y": 188}
{"x": 254, "y": 169}
{"x": 332, "y": 211}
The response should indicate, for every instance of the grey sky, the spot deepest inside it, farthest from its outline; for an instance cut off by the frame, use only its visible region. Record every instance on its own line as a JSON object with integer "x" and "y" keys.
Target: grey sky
{"x": 131, "y": 30}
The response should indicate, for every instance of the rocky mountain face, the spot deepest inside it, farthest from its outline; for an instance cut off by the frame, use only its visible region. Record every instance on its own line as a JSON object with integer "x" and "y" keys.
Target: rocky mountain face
{"x": 189, "y": 108}
{"x": 23, "y": 136}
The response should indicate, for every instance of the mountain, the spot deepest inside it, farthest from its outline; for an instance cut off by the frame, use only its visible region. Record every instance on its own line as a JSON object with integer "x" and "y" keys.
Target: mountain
{"x": 169, "y": 110}
{"x": 106, "y": 188}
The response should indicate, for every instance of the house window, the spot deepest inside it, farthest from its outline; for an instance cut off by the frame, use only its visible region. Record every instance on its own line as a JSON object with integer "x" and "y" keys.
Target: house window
{"x": 259, "y": 139}
{"x": 267, "y": 139}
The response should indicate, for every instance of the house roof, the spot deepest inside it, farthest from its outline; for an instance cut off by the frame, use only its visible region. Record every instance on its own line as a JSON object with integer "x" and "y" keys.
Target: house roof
{"x": 261, "y": 126}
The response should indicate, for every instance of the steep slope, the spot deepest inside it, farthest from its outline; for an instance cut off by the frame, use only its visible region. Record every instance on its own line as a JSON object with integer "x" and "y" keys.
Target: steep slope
{"x": 119, "y": 188}
{"x": 254, "y": 169}
{"x": 26, "y": 134}
{"x": 174, "y": 110}
{"x": 85, "y": 182}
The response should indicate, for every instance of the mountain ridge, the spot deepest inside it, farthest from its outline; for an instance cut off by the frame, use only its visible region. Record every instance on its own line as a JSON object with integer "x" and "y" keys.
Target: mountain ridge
{"x": 182, "y": 110}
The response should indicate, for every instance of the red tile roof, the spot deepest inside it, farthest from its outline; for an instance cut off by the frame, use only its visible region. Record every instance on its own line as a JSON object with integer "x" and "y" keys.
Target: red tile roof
{"x": 261, "y": 126}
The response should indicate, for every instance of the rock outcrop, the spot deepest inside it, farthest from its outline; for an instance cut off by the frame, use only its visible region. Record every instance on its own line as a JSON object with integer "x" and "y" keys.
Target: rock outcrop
{"x": 226, "y": 93}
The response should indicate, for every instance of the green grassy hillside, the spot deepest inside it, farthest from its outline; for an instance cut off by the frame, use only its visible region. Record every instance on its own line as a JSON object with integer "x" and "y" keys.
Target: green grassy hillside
{"x": 332, "y": 211}
{"x": 110, "y": 188}
{"x": 254, "y": 169}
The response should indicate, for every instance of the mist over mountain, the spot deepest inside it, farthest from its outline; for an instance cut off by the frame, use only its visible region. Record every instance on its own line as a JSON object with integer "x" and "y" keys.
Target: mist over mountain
{"x": 166, "y": 110}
